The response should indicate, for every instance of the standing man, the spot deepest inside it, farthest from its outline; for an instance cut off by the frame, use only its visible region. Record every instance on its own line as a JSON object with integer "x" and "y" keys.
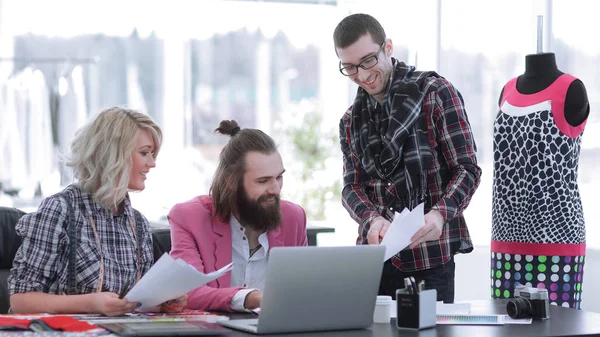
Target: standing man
{"x": 406, "y": 140}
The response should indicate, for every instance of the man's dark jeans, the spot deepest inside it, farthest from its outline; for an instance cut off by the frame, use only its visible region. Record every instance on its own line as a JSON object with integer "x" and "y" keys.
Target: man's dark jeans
{"x": 440, "y": 278}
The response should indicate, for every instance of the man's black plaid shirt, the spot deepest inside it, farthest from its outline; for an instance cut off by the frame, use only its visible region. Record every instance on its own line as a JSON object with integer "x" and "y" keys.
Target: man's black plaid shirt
{"x": 452, "y": 179}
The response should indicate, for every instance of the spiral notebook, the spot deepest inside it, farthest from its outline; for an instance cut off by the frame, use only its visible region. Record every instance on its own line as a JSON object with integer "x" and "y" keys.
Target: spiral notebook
{"x": 470, "y": 319}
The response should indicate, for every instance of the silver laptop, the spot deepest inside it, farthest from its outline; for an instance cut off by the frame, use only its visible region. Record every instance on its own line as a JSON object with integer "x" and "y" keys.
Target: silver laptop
{"x": 317, "y": 289}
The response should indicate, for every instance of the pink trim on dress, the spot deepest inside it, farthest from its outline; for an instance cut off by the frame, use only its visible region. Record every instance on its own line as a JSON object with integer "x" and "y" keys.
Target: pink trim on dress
{"x": 538, "y": 249}
{"x": 556, "y": 93}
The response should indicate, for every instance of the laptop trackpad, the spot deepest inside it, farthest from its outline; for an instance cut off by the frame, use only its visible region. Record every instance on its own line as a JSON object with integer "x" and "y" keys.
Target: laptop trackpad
{"x": 240, "y": 322}
{"x": 251, "y": 321}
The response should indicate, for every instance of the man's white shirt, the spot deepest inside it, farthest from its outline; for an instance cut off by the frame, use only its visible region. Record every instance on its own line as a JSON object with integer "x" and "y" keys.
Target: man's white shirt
{"x": 248, "y": 272}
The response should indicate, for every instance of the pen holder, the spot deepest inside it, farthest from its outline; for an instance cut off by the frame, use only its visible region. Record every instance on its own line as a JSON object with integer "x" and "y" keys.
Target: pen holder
{"x": 416, "y": 311}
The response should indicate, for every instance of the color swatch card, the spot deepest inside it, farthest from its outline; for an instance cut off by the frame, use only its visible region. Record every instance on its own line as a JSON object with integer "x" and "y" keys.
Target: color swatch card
{"x": 470, "y": 319}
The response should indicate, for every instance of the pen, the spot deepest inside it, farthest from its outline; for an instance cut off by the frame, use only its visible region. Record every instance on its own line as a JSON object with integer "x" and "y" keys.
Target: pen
{"x": 124, "y": 290}
{"x": 421, "y": 285}
{"x": 409, "y": 286}
{"x": 413, "y": 284}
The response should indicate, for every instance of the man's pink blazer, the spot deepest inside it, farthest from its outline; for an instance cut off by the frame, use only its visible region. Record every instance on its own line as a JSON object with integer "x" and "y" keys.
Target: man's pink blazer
{"x": 201, "y": 239}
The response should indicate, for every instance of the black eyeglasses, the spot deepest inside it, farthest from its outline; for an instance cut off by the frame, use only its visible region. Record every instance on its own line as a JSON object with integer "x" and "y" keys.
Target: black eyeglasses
{"x": 367, "y": 63}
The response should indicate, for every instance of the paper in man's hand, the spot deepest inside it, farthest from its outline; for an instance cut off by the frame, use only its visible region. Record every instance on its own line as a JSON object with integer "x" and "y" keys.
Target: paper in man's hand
{"x": 402, "y": 228}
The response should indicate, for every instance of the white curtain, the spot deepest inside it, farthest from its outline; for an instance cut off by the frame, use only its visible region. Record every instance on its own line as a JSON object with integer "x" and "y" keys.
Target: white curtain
{"x": 72, "y": 115}
{"x": 40, "y": 154}
{"x": 135, "y": 96}
{"x": 13, "y": 166}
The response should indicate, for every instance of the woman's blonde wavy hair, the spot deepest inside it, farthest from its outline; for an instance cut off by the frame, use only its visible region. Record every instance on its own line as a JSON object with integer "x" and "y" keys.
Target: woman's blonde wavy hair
{"x": 102, "y": 150}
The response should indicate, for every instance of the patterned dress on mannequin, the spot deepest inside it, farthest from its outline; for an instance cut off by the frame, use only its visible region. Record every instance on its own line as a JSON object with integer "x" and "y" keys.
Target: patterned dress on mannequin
{"x": 538, "y": 229}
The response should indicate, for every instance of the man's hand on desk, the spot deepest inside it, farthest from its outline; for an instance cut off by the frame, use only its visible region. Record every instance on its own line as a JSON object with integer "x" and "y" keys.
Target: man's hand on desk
{"x": 109, "y": 304}
{"x": 377, "y": 230}
{"x": 434, "y": 222}
{"x": 253, "y": 300}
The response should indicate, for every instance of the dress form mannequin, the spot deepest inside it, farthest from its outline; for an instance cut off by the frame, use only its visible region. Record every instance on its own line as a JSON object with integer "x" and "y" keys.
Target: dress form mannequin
{"x": 538, "y": 229}
{"x": 540, "y": 72}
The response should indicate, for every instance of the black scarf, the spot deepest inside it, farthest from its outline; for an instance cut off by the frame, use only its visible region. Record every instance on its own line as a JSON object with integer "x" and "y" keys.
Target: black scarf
{"x": 405, "y": 154}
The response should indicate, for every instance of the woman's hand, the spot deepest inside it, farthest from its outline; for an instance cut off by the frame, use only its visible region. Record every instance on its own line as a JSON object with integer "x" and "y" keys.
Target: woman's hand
{"x": 109, "y": 304}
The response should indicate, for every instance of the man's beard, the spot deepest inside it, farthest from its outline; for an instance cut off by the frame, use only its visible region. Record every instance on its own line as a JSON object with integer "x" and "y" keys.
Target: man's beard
{"x": 253, "y": 214}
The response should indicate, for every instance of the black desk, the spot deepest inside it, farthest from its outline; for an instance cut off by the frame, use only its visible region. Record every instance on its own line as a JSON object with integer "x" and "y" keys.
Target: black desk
{"x": 562, "y": 322}
{"x": 312, "y": 231}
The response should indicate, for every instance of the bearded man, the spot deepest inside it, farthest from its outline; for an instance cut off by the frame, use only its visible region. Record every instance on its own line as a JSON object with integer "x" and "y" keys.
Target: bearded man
{"x": 240, "y": 220}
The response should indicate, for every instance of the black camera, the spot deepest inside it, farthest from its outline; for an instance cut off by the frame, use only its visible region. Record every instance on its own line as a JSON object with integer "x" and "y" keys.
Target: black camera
{"x": 529, "y": 302}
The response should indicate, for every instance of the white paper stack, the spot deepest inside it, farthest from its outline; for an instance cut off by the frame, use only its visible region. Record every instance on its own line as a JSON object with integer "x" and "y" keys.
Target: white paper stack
{"x": 169, "y": 279}
{"x": 402, "y": 228}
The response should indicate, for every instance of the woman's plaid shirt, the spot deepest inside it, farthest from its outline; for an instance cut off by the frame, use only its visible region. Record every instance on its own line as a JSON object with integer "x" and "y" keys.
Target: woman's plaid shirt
{"x": 40, "y": 264}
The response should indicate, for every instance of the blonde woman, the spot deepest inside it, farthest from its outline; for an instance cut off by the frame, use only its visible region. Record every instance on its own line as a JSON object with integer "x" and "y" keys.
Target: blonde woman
{"x": 87, "y": 242}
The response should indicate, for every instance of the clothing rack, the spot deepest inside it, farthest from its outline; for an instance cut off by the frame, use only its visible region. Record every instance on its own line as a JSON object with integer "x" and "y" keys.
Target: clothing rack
{"x": 55, "y": 68}
{"x": 55, "y": 62}
{"x": 49, "y": 60}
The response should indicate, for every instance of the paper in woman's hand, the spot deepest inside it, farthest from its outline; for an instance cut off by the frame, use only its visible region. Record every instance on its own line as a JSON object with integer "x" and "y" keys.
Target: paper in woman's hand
{"x": 169, "y": 279}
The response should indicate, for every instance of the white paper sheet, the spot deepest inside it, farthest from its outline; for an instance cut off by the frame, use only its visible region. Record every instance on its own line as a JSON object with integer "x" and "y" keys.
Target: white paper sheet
{"x": 402, "y": 228}
{"x": 442, "y": 308}
{"x": 169, "y": 279}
